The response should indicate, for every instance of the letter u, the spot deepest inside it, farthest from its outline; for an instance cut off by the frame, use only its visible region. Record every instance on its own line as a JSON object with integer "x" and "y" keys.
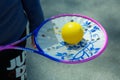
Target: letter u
{"x": 20, "y": 60}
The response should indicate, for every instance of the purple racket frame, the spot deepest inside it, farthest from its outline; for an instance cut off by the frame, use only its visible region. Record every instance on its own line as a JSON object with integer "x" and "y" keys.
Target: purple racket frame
{"x": 41, "y": 52}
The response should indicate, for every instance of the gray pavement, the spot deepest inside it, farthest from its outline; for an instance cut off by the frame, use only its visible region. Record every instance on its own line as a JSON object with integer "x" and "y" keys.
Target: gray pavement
{"x": 105, "y": 67}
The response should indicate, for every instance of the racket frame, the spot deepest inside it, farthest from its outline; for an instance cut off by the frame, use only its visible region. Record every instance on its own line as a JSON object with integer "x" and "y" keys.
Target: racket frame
{"x": 41, "y": 52}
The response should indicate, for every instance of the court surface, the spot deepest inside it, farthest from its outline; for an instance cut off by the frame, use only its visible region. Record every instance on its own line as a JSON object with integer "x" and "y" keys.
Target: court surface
{"x": 105, "y": 67}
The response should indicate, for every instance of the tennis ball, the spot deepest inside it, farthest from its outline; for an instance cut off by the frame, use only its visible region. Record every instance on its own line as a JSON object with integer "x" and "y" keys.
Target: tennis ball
{"x": 72, "y": 33}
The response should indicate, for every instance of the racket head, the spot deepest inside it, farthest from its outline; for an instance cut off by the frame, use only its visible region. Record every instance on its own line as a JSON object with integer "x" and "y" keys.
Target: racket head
{"x": 50, "y": 43}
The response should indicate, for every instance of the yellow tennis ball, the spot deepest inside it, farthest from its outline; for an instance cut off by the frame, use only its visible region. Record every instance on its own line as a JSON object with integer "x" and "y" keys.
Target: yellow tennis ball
{"x": 72, "y": 32}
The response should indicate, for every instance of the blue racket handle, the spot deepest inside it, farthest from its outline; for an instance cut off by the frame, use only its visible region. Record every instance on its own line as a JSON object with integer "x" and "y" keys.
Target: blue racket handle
{"x": 12, "y": 45}
{"x": 19, "y": 48}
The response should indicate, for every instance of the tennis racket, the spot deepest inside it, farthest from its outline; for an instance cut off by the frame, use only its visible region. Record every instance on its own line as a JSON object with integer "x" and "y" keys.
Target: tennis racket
{"x": 50, "y": 44}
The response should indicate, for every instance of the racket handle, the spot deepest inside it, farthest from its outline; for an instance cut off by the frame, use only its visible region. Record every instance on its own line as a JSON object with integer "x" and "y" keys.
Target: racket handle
{"x": 19, "y": 48}
{"x": 28, "y": 49}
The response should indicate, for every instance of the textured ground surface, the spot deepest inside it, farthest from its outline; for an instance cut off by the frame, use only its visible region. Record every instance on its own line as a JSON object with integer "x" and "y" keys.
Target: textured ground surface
{"x": 105, "y": 67}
